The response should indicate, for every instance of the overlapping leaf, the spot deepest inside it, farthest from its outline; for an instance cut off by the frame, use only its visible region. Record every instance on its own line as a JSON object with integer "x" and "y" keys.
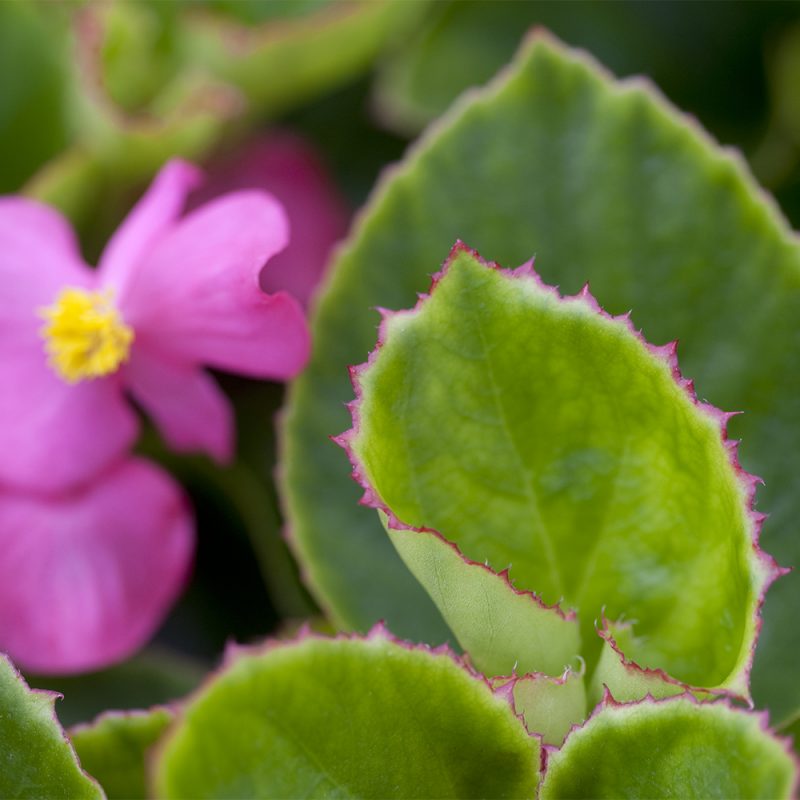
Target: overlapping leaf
{"x": 115, "y": 747}
{"x": 671, "y": 748}
{"x": 667, "y": 225}
{"x": 348, "y": 718}
{"x": 543, "y": 437}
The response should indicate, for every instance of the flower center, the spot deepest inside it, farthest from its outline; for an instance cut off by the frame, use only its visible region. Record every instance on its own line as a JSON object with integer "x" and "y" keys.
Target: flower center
{"x": 84, "y": 335}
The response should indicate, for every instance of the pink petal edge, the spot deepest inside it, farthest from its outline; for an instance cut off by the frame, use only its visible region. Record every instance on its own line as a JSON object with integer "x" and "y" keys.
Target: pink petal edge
{"x": 197, "y": 298}
{"x": 188, "y": 407}
{"x": 151, "y": 218}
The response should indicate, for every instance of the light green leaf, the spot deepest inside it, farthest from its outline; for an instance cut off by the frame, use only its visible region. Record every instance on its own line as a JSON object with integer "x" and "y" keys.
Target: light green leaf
{"x": 36, "y": 759}
{"x": 542, "y": 436}
{"x": 502, "y": 629}
{"x": 671, "y": 748}
{"x": 114, "y": 748}
{"x": 348, "y": 718}
{"x": 625, "y": 679}
{"x": 549, "y": 706}
{"x": 667, "y": 225}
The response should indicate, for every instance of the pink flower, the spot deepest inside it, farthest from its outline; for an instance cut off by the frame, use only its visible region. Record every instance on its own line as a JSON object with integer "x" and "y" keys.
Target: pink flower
{"x": 86, "y": 576}
{"x": 168, "y": 295}
{"x": 95, "y": 545}
{"x": 286, "y": 166}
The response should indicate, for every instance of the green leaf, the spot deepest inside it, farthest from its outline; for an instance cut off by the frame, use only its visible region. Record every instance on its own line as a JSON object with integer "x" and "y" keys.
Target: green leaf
{"x": 463, "y": 44}
{"x": 625, "y": 679}
{"x": 605, "y": 182}
{"x": 282, "y": 63}
{"x": 670, "y": 748}
{"x": 114, "y": 748}
{"x": 33, "y": 104}
{"x": 192, "y": 76}
{"x": 36, "y": 759}
{"x": 542, "y": 436}
{"x": 549, "y": 706}
{"x": 348, "y": 718}
{"x": 502, "y": 629}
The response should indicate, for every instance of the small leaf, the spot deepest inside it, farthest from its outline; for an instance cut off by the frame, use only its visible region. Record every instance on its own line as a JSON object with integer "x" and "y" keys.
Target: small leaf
{"x": 347, "y": 718}
{"x": 671, "y": 748}
{"x": 538, "y": 433}
{"x": 549, "y": 706}
{"x": 36, "y": 759}
{"x": 114, "y": 748}
{"x": 502, "y": 629}
{"x": 625, "y": 679}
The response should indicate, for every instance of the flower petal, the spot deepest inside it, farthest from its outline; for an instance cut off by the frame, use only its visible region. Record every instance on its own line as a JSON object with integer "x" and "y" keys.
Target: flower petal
{"x": 38, "y": 257}
{"x": 196, "y": 296}
{"x": 54, "y": 435}
{"x": 151, "y": 218}
{"x": 85, "y": 579}
{"x": 287, "y": 166}
{"x": 185, "y": 402}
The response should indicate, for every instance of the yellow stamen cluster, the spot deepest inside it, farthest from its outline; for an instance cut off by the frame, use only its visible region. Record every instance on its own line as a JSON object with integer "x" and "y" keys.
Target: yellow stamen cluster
{"x": 85, "y": 336}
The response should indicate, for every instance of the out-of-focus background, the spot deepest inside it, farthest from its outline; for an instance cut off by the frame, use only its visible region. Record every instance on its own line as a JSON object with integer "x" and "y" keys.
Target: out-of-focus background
{"x": 312, "y": 99}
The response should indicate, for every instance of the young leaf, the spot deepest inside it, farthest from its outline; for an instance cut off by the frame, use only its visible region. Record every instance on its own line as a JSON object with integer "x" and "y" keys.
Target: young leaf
{"x": 541, "y": 435}
{"x": 671, "y": 748}
{"x": 625, "y": 679}
{"x": 36, "y": 759}
{"x": 502, "y": 629}
{"x": 350, "y": 718}
{"x": 549, "y": 706}
{"x": 668, "y": 225}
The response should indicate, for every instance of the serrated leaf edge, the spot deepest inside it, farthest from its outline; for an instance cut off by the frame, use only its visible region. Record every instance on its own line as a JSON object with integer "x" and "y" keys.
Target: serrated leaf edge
{"x": 46, "y": 699}
{"x": 608, "y": 702}
{"x": 236, "y": 652}
{"x": 765, "y": 566}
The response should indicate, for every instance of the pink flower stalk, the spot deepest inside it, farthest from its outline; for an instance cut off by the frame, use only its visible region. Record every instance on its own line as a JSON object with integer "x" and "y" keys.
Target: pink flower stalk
{"x": 288, "y": 167}
{"x": 168, "y": 296}
{"x": 94, "y": 545}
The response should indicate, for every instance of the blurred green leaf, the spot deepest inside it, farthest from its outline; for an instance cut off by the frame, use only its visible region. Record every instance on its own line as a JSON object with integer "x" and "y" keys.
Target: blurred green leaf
{"x": 694, "y": 53}
{"x": 36, "y": 759}
{"x": 115, "y": 747}
{"x": 34, "y": 123}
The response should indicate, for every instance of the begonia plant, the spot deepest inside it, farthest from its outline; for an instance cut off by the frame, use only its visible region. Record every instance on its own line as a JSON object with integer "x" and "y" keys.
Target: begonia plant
{"x": 555, "y": 582}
